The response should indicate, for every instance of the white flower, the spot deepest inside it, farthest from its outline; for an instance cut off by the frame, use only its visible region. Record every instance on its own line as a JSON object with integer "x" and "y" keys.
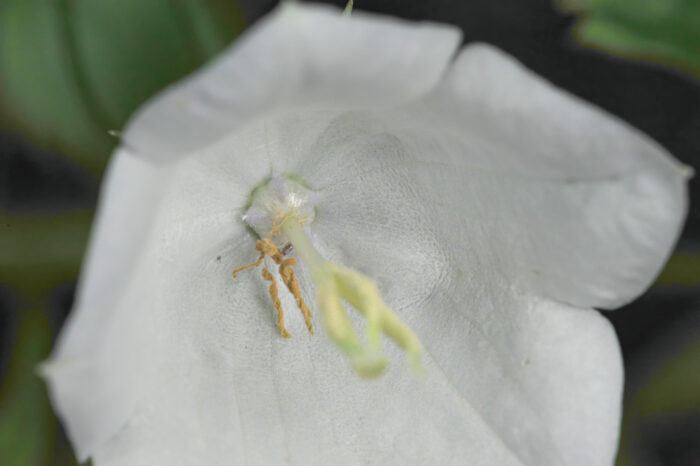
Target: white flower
{"x": 492, "y": 211}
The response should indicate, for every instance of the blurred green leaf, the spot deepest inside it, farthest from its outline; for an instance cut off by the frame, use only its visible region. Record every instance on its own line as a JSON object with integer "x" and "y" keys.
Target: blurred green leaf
{"x": 39, "y": 252}
{"x": 38, "y": 84}
{"x": 129, "y": 49}
{"x": 71, "y": 70}
{"x": 674, "y": 387}
{"x": 681, "y": 269}
{"x": 27, "y": 427}
{"x": 665, "y": 31}
{"x": 670, "y": 393}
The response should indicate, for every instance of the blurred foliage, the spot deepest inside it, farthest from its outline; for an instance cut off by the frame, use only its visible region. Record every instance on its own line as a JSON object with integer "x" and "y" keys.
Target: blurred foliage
{"x": 36, "y": 254}
{"x": 678, "y": 379}
{"x": 40, "y": 252}
{"x": 665, "y": 31}
{"x": 662, "y": 416}
{"x": 681, "y": 269}
{"x": 27, "y": 428}
{"x": 70, "y": 70}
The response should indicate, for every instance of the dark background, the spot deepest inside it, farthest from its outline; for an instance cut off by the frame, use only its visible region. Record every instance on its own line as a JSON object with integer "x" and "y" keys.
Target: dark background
{"x": 659, "y": 333}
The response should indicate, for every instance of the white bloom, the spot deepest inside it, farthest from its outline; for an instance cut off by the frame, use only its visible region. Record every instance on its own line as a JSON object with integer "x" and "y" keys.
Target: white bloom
{"x": 492, "y": 211}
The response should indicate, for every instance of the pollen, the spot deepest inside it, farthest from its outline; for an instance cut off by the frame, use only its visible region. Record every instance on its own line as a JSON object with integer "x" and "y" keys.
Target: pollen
{"x": 269, "y": 249}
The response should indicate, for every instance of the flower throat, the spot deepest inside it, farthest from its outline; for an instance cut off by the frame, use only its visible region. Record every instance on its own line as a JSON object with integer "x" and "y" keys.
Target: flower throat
{"x": 278, "y": 211}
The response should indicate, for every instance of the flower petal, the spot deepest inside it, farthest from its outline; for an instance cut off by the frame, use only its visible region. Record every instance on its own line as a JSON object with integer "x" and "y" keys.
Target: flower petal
{"x": 540, "y": 386}
{"x": 195, "y": 362}
{"x": 128, "y": 202}
{"x": 511, "y": 380}
{"x": 108, "y": 344}
{"x": 587, "y": 207}
{"x": 298, "y": 54}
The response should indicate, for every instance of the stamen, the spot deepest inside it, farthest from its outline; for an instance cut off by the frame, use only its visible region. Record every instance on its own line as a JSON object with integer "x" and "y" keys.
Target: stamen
{"x": 287, "y": 205}
{"x": 267, "y": 247}
{"x": 249, "y": 266}
{"x": 276, "y": 301}
{"x": 290, "y": 280}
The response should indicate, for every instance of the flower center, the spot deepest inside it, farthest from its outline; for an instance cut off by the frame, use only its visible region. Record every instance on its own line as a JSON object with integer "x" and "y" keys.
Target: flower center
{"x": 278, "y": 210}
{"x": 278, "y": 198}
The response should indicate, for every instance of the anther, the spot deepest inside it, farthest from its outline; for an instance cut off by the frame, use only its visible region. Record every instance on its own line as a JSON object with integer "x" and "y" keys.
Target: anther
{"x": 267, "y": 248}
{"x": 276, "y": 301}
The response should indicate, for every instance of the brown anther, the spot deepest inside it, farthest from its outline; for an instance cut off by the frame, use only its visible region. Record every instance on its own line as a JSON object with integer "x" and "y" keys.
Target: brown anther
{"x": 249, "y": 266}
{"x": 276, "y": 301}
{"x": 290, "y": 280}
{"x": 267, "y": 248}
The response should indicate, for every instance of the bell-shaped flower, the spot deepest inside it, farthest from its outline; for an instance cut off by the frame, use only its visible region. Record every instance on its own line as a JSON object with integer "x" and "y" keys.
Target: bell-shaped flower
{"x": 474, "y": 214}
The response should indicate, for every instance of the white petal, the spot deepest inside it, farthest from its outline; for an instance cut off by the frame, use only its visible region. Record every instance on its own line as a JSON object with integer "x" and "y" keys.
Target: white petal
{"x": 196, "y": 358}
{"x": 585, "y": 207}
{"x": 235, "y": 392}
{"x": 93, "y": 368}
{"x": 298, "y": 54}
{"x": 512, "y": 380}
{"x": 128, "y": 202}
